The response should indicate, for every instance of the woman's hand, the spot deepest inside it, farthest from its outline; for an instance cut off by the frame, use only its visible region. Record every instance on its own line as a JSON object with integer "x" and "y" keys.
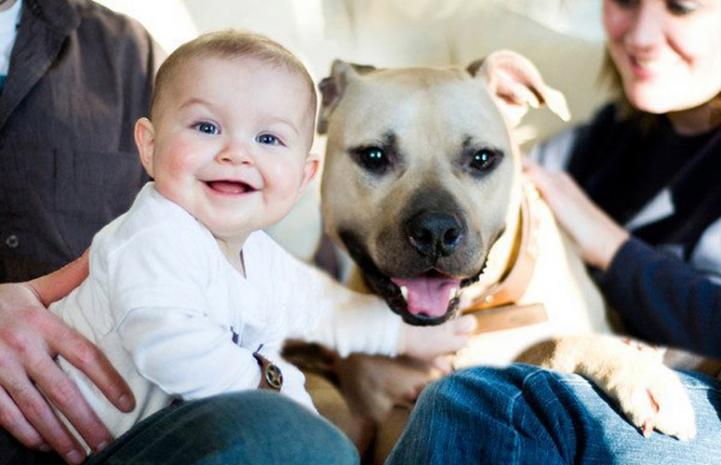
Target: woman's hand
{"x": 30, "y": 339}
{"x": 596, "y": 236}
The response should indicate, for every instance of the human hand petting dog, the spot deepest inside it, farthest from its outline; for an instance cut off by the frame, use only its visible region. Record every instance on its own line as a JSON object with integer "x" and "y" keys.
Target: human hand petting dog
{"x": 30, "y": 339}
{"x": 596, "y": 236}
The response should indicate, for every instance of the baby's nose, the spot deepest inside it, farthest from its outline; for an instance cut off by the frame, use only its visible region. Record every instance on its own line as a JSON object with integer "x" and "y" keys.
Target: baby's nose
{"x": 235, "y": 153}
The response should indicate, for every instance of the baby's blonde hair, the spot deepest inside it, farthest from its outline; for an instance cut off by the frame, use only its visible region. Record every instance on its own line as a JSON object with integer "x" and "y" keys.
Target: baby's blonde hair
{"x": 231, "y": 44}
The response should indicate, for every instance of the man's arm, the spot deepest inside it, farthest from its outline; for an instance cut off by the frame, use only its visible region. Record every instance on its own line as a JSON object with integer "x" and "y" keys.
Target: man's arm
{"x": 30, "y": 338}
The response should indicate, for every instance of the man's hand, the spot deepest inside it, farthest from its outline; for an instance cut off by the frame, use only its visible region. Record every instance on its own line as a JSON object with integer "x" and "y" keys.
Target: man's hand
{"x": 30, "y": 339}
{"x": 596, "y": 236}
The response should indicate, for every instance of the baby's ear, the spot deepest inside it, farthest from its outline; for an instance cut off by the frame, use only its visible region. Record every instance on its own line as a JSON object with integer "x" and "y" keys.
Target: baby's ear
{"x": 145, "y": 141}
{"x": 310, "y": 170}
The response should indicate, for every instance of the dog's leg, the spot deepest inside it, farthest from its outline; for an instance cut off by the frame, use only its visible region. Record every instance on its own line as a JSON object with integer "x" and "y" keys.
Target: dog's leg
{"x": 649, "y": 393}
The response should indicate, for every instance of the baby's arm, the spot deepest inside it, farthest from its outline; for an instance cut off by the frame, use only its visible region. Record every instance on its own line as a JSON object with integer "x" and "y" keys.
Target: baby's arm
{"x": 158, "y": 286}
{"x": 353, "y": 322}
{"x": 186, "y": 354}
{"x": 324, "y": 311}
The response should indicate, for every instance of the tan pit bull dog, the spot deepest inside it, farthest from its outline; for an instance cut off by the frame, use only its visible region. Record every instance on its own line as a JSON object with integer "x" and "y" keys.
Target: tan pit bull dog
{"x": 422, "y": 187}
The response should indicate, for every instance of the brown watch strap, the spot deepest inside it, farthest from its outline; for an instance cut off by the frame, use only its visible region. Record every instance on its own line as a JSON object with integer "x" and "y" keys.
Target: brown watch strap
{"x": 270, "y": 375}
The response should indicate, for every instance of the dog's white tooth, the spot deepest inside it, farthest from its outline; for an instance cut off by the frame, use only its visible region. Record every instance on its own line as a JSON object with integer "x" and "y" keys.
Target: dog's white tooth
{"x": 454, "y": 292}
{"x": 404, "y": 292}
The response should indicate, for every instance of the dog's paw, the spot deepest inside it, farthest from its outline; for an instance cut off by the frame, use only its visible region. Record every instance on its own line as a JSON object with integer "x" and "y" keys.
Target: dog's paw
{"x": 649, "y": 394}
{"x": 653, "y": 397}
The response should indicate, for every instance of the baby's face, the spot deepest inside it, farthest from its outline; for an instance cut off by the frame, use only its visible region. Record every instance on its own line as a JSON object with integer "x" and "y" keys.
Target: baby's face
{"x": 230, "y": 143}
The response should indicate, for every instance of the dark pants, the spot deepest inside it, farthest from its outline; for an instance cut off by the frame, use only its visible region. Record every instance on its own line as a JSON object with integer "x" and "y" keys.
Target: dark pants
{"x": 251, "y": 427}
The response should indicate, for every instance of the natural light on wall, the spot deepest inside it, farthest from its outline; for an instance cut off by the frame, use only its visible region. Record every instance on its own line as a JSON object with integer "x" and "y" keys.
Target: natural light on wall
{"x": 578, "y": 18}
{"x": 167, "y": 21}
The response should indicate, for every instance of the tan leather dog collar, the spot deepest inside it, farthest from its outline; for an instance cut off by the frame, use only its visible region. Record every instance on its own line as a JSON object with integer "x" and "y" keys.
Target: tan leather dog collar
{"x": 496, "y": 308}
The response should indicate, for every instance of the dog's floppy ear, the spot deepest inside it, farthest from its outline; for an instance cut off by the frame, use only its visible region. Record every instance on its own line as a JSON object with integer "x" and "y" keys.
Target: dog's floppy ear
{"x": 516, "y": 84}
{"x": 332, "y": 87}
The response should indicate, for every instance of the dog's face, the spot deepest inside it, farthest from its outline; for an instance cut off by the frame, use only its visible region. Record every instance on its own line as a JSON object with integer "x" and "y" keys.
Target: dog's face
{"x": 418, "y": 180}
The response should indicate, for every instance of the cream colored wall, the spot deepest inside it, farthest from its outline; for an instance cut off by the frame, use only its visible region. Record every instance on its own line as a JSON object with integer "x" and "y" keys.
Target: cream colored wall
{"x": 167, "y": 20}
{"x": 565, "y": 42}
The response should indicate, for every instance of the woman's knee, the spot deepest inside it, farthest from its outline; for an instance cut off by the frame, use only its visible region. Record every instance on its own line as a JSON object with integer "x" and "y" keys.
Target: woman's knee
{"x": 481, "y": 385}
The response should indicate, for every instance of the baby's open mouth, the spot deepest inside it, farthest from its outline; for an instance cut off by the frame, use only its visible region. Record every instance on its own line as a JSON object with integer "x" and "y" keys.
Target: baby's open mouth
{"x": 230, "y": 187}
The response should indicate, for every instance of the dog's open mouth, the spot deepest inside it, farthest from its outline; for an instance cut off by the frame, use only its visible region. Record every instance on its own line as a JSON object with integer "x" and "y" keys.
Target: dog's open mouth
{"x": 427, "y": 299}
{"x": 428, "y": 296}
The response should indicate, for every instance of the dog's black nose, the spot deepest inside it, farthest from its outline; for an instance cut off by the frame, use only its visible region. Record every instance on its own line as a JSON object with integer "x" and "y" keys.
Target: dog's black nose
{"x": 434, "y": 234}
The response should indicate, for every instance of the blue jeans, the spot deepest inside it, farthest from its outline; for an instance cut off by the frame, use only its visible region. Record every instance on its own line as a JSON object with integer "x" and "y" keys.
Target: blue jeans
{"x": 248, "y": 428}
{"x": 527, "y": 415}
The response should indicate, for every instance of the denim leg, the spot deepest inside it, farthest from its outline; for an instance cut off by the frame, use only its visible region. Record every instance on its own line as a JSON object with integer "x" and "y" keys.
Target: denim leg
{"x": 625, "y": 445}
{"x": 251, "y": 427}
{"x": 526, "y": 415}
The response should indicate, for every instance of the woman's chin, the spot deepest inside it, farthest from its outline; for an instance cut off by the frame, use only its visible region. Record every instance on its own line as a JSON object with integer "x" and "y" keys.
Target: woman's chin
{"x": 650, "y": 102}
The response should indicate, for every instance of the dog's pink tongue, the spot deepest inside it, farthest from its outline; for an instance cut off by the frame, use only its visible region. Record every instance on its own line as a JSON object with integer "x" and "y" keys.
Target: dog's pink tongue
{"x": 428, "y": 295}
{"x": 228, "y": 187}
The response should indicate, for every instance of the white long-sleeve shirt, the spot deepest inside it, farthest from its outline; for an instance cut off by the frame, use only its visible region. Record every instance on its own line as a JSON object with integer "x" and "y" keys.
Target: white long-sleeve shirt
{"x": 165, "y": 305}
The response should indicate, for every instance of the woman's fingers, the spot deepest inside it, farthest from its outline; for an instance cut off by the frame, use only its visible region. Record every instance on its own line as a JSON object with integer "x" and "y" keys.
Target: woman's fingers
{"x": 596, "y": 236}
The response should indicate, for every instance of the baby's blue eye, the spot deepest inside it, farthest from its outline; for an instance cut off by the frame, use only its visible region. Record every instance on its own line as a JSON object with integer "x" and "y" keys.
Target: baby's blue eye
{"x": 269, "y": 139}
{"x": 207, "y": 128}
{"x": 681, "y": 8}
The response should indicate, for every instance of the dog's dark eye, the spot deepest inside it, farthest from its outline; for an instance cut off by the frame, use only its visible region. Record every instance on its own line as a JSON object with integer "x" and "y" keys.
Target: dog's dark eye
{"x": 372, "y": 159}
{"x": 483, "y": 161}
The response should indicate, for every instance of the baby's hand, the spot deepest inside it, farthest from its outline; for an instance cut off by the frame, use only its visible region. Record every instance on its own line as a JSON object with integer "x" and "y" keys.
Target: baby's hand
{"x": 430, "y": 342}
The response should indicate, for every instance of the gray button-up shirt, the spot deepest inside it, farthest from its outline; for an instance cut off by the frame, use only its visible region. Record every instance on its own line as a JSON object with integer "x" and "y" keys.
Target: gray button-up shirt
{"x": 80, "y": 75}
